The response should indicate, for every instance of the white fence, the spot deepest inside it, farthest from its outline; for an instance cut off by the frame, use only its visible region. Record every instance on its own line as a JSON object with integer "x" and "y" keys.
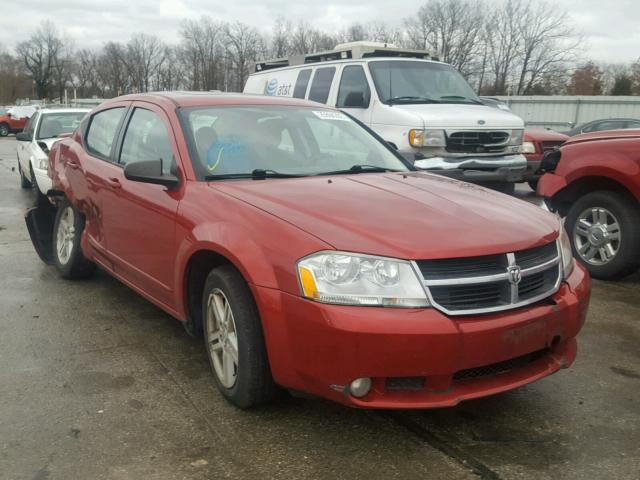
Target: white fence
{"x": 563, "y": 112}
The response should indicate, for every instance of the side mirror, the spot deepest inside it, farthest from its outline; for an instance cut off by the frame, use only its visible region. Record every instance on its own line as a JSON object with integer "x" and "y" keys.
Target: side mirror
{"x": 24, "y": 137}
{"x": 150, "y": 171}
{"x": 356, "y": 100}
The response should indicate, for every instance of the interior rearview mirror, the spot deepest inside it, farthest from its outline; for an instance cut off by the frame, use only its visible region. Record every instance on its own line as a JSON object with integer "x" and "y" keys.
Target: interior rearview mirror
{"x": 150, "y": 171}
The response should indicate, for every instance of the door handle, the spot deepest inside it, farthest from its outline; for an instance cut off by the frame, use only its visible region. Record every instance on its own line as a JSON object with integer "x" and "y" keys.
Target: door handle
{"x": 113, "y": 182}
{"x": 73, "y": 165}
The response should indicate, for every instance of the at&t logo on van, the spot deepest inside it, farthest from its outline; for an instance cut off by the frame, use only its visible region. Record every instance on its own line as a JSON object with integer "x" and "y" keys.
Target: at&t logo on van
{"x": 271, "y": 87}
{"x": 274, "y": 89}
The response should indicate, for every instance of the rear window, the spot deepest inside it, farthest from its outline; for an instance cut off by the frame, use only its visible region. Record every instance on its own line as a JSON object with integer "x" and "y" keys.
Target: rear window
{"x": 102, "y": 131}
{"x": 54, "y": 124}
{"x": 302, "y": 82}
{"x": 321, "y": 84}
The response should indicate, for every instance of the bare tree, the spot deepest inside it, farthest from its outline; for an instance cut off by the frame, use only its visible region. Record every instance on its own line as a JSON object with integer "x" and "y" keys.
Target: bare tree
{"x": 281, "y": 38}
{"x": 142, "y": 57}
{"x": 39, "y": 55}
{"x": 112, "y": 70}
{"x": 242, "y": 45}
{"x": 202, "y": 50}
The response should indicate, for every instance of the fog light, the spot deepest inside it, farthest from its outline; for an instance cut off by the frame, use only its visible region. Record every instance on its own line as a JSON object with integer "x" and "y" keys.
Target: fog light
{"x": 360, "y": 387}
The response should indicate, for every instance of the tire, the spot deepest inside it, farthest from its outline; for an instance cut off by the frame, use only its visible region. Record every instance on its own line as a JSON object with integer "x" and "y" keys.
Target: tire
{"x": 4, "y": 129}
{"x": 248, "y": 381}
{"x": 41, "y": 199}
{"x": 24, "y": 181}
{"x": 67, "y": 254}
{"x": 533, "y": 184}
{"x": 622, "y": 218}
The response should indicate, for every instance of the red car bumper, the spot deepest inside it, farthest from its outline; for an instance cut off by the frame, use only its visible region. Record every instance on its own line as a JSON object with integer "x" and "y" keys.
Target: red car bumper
{"x": 320, "y": 349}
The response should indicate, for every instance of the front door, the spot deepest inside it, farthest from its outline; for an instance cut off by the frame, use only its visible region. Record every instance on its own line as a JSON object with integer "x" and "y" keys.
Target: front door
{"x": 140, "y": 217}
{"x": 354, "y": 94}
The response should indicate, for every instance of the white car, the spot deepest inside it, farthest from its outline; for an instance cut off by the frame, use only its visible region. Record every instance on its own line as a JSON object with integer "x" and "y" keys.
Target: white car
{"x": 34, "y": 143}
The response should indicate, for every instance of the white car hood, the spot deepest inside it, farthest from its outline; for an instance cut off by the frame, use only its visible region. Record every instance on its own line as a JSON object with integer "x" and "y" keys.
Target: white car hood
{"x": 450, "y": 115}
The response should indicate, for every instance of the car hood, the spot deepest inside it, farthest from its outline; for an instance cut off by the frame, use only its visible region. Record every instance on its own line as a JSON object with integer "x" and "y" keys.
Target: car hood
{"x": 604, "y": 135}
{"x": 543, "y": 135}
{"x": 449, "y": 115}
{"x": 413, "y": 216}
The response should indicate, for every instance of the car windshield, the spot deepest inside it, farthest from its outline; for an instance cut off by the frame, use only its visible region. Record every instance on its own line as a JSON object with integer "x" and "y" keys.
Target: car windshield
{"x": 3, "y": 110}
{"x": 240, "y": 140}
{"x": 54, "y": 124}
{"x": 420, "y": 82}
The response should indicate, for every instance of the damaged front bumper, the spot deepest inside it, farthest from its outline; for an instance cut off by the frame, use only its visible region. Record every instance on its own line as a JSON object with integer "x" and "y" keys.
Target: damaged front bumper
{"x": 507, "y": 168}
{"x": 40, "y": 221}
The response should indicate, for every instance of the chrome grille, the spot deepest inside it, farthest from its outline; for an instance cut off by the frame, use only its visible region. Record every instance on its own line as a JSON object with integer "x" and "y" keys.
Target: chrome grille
{"x": 492, "y": 283}
{"x": 477, "y": 142}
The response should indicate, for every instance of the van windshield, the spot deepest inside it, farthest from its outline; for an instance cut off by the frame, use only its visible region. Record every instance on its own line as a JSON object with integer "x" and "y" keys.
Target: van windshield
{"x": 420, "y": 82}
{"x": 236, "y": 141}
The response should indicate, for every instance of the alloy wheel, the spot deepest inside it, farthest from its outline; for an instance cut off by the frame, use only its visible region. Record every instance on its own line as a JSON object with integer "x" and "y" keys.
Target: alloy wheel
{"x": 597, "y": 236}
{"x": 222, "y": 338}
{"x": 65, "y": 235}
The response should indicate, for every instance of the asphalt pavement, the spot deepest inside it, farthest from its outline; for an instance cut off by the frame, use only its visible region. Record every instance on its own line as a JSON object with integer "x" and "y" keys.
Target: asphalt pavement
{"x": 97, "y": 383}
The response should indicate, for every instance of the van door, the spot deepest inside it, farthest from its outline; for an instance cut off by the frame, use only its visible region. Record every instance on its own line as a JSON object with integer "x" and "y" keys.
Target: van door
{"x": 354, "y": 93}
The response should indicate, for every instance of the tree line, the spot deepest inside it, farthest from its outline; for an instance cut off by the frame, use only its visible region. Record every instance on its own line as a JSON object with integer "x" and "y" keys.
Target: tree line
{"x": 517, "y": 47}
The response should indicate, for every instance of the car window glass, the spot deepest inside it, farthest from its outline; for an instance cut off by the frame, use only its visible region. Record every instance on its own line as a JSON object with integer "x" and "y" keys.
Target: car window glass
{"x": 102, "y": 131}
{"x": 54, "y": 124}
{"x": 302, "y": 82}
{"x": 146, "y": 138}
{"x": 321, "y": 84}
{"x": 289, "y": 140}
{"x": 608, "y": 125}
{"x": 633, "y": 124}
{"x": 354, "y": 88}
{"x": 31, "y": 124}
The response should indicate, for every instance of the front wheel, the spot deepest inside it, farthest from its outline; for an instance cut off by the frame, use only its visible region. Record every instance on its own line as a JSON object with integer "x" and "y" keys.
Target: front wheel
{"x": 234, "y": 339}
{"x": 4, "y": 129}
{"x": 67, "y": 230}
{"x": 604, "y": 228}
{"x": 24, "y": 181}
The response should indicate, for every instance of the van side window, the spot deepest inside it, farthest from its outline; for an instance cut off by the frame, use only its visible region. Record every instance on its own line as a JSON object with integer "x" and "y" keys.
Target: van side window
{"x": 302, "y": 82}
{"x": 321, "y": 84}
{"x": 354, "y": 89}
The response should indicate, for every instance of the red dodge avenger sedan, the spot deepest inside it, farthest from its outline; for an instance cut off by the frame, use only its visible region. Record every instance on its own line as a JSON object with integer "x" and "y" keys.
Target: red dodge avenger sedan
{"x": 309, "y": 255}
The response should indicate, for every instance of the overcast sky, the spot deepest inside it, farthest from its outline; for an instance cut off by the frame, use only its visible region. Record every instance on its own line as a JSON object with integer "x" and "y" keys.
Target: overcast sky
{"x": 611, "y": 28}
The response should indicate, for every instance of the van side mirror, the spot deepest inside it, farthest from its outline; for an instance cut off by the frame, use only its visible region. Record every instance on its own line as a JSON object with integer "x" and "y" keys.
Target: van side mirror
{"x": 24, "y": 137}
{"x": 356, "y": 100}
{"x": 150, "y": 171}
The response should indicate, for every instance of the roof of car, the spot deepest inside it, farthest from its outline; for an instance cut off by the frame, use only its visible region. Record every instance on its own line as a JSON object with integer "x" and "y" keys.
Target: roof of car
{"x": 629, "y": 133}
{"x": 206, "y": 99}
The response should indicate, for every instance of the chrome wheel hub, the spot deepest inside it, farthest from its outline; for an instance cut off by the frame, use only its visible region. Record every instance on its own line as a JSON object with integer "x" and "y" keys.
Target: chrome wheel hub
{"x": 597, "y": 236}
{"x": 222, "y": 338}
{"x": 65, "y": 235}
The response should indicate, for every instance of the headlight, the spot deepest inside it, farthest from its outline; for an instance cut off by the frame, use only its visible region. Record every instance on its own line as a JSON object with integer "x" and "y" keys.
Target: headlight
{"x": 568, "y": 261}
{"x": 352, "y": 279}
{"x": 516, "y": 137}
{"x": 528, "y": 147}
{"x": 427, "y": 138}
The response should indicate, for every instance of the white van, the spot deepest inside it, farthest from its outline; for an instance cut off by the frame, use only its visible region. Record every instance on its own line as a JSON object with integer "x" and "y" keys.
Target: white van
{"x": 422, "y": 107}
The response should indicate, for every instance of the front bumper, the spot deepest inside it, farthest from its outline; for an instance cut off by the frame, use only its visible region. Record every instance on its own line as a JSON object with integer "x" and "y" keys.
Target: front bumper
{"x": 533, "y": 165}
{"x": 319, "y": 349}
{"x": 507, "y": 168}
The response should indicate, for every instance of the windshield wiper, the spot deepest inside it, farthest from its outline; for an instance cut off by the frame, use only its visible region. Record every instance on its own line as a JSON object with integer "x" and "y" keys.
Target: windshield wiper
{"x": 360, "y": 169}
{"x": 460, "y": 97}
{"x": 257, "y": 174}
{"x": 410, "y": 99}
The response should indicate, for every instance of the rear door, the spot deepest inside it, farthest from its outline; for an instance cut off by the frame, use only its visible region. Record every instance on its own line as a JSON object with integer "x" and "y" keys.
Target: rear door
{"x": 89, "y": 168}
{"x": 139, "y": 218}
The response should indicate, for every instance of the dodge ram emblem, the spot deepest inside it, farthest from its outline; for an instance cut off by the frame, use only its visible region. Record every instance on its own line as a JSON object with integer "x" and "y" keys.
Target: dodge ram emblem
{"x": 515, "y": 275}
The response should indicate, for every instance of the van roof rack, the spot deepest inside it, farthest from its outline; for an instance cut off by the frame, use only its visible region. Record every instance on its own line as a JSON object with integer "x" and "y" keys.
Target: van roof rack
{"x": 344, "y": 51}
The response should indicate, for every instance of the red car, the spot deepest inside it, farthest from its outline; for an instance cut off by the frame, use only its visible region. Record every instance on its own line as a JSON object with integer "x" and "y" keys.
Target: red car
{"x": 536, "y": 144}
{"x": 594, "y": 181}
{"x": 10, "y": 123}
{"x": 310, "y": 254}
